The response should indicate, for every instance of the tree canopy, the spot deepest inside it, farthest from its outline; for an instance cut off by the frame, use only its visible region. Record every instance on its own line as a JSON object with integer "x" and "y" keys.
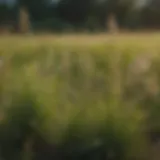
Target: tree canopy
{"x": 127, "y": 13}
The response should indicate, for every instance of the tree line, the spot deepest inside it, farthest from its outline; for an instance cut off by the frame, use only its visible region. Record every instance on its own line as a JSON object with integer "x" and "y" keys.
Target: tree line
{"x": 80, "y": 14}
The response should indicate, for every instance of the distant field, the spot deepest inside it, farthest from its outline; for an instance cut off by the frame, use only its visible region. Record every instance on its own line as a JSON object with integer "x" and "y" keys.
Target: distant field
{"x": 146, "y": 40}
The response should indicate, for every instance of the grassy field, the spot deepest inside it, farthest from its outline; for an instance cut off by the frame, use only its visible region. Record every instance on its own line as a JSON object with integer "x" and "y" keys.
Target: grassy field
{"x": 146, "y": 39}
{"x": 80, "y": 96}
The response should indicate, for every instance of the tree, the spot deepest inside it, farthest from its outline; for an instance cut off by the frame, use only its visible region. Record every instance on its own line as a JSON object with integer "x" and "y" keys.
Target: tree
{"x": 113, "y": 9}
{"x": 4, "y": 13}
{"x": 30, "y": 9}
{"x": 151, "y": 14}
{"x": 23, "y": 20}
{"x": 74, "y": 11}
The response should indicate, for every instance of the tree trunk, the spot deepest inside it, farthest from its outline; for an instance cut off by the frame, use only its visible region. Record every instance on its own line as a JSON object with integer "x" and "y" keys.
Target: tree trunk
{"x": 23, "y": 20}
{"x": 112, "y": 24}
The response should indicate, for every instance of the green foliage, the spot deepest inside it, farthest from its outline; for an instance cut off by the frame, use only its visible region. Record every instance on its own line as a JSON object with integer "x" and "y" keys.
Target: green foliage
{"x": 90, "y": 105}
{"x": 83, "y": 14}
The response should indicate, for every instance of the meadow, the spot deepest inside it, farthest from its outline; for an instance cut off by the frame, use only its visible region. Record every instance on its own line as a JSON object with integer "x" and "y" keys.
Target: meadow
{"x": 80, "y": 97}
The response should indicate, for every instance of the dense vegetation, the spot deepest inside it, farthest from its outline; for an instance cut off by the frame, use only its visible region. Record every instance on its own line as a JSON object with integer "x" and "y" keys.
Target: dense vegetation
{"x": 92, "y": 15}
{"x": 75, "y": 100}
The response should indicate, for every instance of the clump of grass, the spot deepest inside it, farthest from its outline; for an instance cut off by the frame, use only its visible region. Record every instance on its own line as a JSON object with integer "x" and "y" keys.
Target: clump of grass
{"x": 88, "y": 103}
{"x": 80, "y": 113}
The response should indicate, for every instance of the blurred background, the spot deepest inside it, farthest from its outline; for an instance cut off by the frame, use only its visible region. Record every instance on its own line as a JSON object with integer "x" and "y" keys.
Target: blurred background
{"x": 79, "y": 15}
{"x": 79, "y": 80}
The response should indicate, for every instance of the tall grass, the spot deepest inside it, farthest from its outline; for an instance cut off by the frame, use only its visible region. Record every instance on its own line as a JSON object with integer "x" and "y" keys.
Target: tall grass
{"x": 68, "y": 102}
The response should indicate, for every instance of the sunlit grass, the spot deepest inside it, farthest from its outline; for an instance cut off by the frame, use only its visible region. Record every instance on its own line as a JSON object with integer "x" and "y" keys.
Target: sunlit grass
{"x": 79, "y": 92}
